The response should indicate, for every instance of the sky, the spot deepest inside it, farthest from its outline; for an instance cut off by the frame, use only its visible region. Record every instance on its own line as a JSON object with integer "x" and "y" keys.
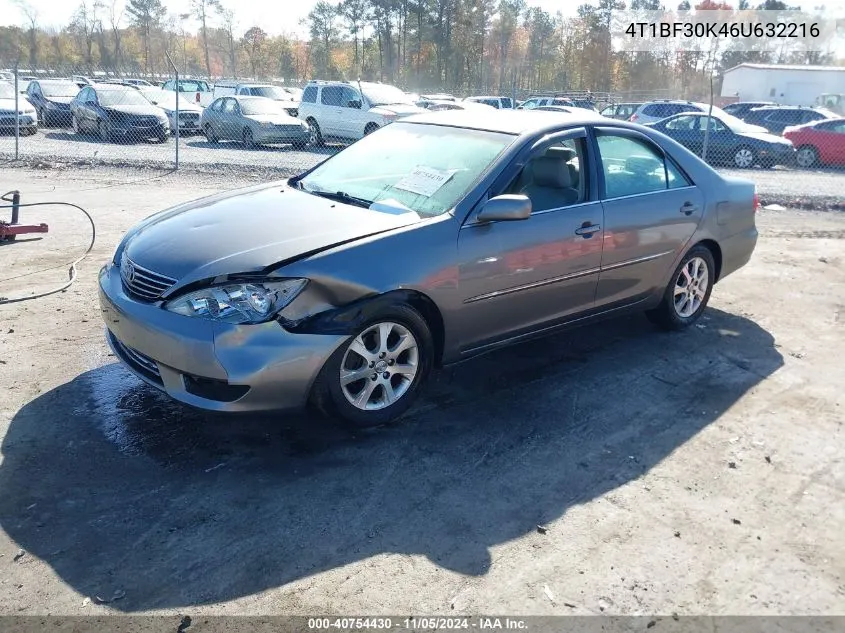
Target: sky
{"x": 274, "y": 16}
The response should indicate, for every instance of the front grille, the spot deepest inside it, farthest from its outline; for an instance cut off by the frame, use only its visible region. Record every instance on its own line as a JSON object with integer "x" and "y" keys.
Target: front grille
{"x": 142, "y": 283}
{"x": 189, "y": 116}
{"x": 290, "y": 128}
{"x": 145, "y": 121}
{"x": 139, "y": 362}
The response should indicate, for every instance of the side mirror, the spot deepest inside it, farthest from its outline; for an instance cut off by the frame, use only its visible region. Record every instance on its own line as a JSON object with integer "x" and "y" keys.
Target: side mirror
{"x": 505, "y": 208}
{"x": 354, "y": 104}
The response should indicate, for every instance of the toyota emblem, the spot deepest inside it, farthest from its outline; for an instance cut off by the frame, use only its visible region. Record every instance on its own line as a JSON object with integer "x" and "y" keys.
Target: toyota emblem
{"x": 130, "y": 273}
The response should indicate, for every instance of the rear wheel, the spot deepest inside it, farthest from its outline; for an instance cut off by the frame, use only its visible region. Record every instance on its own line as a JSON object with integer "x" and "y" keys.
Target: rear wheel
{"x": 103, "y": 131}
{"x": 371, "y": 127}
{"x": 210, "y": 136}
{"x": 376, "y": 375}
{"x": 688, "y": 292}
{"x": 315, "y": 136}
{"x": 806, "y": 156}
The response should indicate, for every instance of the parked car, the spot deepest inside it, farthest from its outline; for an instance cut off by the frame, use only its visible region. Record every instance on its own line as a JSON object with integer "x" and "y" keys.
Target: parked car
{"x": 189, "y": 112}
{"x": 117, "y": 113}
{"x": 435, "y": 106}
{"x": 731, "y": 141}
{"x": 259, "y": 90}
{"x": 51, "y": 99}
{"x": 439, "y": 97}
{"x": 345, "y": 285}
{"x": 138, "y": 82}
{"x": 500, "y": 103}
{"x": 654, "y": 111}
{"x": 777, "y": 118}
{"x": 81, "y": 81}
{"x": 741, "y": 108}
{"x": 621, "y": 111}
{"x": 26, "y": 115}
{"x": 198, "y": 90}
{"x": 818, "y": 142}
{"x": 347, "y": 112}
{"x": 535, "y": 102}
{"x": 253, "y": 121}
{"x": 582, "y": 112}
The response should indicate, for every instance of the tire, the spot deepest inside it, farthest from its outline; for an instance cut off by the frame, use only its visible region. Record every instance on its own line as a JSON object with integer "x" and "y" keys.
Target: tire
{"x": 210, "y": 136}
{"x": 316, "y": 136}
{"x": 103, "y": 131}
{"x": 248, "y": 140}
{"x": 744, "y": 157}
{"x": 363, "y": 402}
{"x": 677, "y": 314}
{"x": 39, "y": 115}
{"x": 370, "y": 128}
{"x": 806, "y": 157}
{"x": 74, "y": 124}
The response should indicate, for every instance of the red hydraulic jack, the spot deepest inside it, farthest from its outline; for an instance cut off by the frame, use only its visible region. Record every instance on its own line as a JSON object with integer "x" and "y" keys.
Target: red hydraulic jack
{"x": 10, "y": 230}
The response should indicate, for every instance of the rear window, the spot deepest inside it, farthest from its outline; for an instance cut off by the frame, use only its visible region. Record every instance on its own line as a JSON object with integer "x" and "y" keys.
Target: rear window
{"x": 785, "y": 116}
{"x": 309, "y": 95}
{"x": 507, "y": 102}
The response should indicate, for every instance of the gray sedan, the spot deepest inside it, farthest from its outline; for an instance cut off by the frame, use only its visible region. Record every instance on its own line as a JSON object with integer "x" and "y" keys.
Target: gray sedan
{"x": 253, "y": 121}
{"x": 346, "y": 285}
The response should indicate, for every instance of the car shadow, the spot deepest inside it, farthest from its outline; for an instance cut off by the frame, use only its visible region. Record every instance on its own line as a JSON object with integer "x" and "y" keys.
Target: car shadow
{"x": 200, "y": 142}
{"x": 119, "y": 489}
{"x": 92, "y": 139}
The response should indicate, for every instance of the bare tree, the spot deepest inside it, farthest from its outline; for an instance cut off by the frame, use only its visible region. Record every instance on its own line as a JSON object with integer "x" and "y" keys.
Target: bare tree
{"x": 31, "y": 15}
{"x": 115, "y": 18}
{"x": 227, "y": 15}
{"x": 202, "y": 10}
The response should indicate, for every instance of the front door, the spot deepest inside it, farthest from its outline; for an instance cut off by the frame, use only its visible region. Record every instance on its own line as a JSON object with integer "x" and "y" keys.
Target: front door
{"x": 651, "y": 210}
{"x": 519, "y": 276}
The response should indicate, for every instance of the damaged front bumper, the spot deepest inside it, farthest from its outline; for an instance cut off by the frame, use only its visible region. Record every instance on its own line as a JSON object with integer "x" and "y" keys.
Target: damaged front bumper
{"x": 208, "y": 364}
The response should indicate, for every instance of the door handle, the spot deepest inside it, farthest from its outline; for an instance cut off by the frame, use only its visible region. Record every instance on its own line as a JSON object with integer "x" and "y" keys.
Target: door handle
{"x": 586, "y": 230}
{"x": 689, "y": 208}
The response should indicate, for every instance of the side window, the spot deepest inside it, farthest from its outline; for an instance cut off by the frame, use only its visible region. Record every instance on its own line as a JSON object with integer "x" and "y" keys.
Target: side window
{"x": 653, "y": 110}
{"x": 809, "y": 115}
{"x": 530, "y": 104}
{"x": 309, "y": 95}
{"x": 839, "y": 128}
{"x": 675, "y": 177}
{"x": 716, "y": 125}
{"x": 631, "y": 166}
{"x": 331, "y": 95}
{"x": 490, "y": 102}
{"x": 347, "y": 95}
{"x": 553, "y": 177}
{"x": 217, "y": 105}
{"x": 685, "y": 123}
{"x": 168, "y": 85}
{"x": 230, "y": 106}
{"x": 608, "y": 111}
{"x": 91, "y": 96}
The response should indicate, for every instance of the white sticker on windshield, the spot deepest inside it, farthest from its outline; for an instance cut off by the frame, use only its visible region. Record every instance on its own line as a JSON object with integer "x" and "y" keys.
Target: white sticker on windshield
{"x": 424, "y": 181}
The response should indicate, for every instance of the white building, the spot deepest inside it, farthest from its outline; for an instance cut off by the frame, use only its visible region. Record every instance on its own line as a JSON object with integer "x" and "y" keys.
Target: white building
{"x": 781, "y": 83}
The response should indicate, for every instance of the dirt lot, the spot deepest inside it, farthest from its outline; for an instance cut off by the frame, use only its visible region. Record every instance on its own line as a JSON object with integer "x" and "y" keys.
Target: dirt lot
{"x": 697, "y": 473}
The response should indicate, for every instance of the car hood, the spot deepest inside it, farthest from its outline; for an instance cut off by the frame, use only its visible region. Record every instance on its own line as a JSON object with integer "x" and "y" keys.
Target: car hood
{"x": 249, "y": 230}
{"x": 9, "y": 104}
{"x": 766, "y": 137}
{"x": 150, "y": 110}
{"x": 62, "y": 100}
{"x": 275, "y": 119}
{"x": 399, "y": 109}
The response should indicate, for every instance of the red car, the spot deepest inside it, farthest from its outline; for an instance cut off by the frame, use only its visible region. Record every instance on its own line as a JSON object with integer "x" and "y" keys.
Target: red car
{"x": 819, "y": 142}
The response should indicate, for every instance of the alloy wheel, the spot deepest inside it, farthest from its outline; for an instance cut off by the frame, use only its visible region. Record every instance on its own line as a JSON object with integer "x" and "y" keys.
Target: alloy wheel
{"x": 74, "y": 124}
{"x": 379, "y": 366}
{"x": 313, "y": 133}
{"x": 691, "y": 287}
{"x": 806, "y": 157}
{"x": 744, "y": 158}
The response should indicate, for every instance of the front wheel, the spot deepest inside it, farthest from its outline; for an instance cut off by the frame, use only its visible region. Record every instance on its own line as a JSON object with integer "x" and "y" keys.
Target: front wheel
{"x": 315, "y": 136}
{"x": 249, "y": 141}
{"x": 210, "y": 135}
{"x": 376, "y": 375}
{"x": 688, "y": 292}
{"x": 744, "y": 158}
{"x": 74, "y": 123}
{"x": 806, "y": 157}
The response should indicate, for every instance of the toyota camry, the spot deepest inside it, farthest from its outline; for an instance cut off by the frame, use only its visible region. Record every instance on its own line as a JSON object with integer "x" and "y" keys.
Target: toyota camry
{"x": 432, "y": 240}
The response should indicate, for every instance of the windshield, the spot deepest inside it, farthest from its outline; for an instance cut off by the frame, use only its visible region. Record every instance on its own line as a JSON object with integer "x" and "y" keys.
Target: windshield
{"x": 385, "y": 95}
{"x": 7, "y": 91}
{"x": 63, "y": 89}
{"x": 271, "y": 92}
{"x": 404, "y": 165}
{"x": 166, "y": 99}
{"x": 261, "y": 106}
{"x": 737, "y": 125}
{"x": 193, "y": 86}
{"x": 121, "y": 97}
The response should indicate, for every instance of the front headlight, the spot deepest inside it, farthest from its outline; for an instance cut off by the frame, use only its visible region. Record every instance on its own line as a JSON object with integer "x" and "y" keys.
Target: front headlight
{"x": 266, "y": 124}
{"x": 238, "y": 303}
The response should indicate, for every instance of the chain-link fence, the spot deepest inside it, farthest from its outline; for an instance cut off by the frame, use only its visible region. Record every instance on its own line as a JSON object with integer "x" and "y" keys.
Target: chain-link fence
{"x": 172, "y": 122}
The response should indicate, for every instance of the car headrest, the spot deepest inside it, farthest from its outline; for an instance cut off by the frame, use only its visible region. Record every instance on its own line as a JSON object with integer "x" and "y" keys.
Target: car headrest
{"x": 642, "y": 165}
{"x": 566, "y": 153}
{"x": 551, "y": 172}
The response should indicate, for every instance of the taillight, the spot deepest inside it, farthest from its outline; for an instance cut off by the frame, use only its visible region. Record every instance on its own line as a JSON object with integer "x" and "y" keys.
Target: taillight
{"x": 633, "y": 118}
{"x": 198, "y": 97}
{"x": 756, "y": 201}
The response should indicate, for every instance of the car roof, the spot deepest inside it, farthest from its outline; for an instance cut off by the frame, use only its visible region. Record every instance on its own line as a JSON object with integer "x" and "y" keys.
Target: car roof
{"x": 248, "y": 98}
{"x": 508, "y": 121}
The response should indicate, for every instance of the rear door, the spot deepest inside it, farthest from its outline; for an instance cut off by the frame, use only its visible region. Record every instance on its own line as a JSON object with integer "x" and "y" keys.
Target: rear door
{"x": 331, "y": 112}
{"x": 651, "y": 210}
{"x": 685, "y": 130}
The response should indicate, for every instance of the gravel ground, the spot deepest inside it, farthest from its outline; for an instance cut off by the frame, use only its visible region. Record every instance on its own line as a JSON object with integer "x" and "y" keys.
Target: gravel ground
{"x": 813, "y": 188}
{"x": 697, "y": 473}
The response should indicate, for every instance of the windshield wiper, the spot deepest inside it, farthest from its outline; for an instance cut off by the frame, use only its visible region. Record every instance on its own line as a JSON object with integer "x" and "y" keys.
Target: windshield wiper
{"x": 341, "y": 196}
